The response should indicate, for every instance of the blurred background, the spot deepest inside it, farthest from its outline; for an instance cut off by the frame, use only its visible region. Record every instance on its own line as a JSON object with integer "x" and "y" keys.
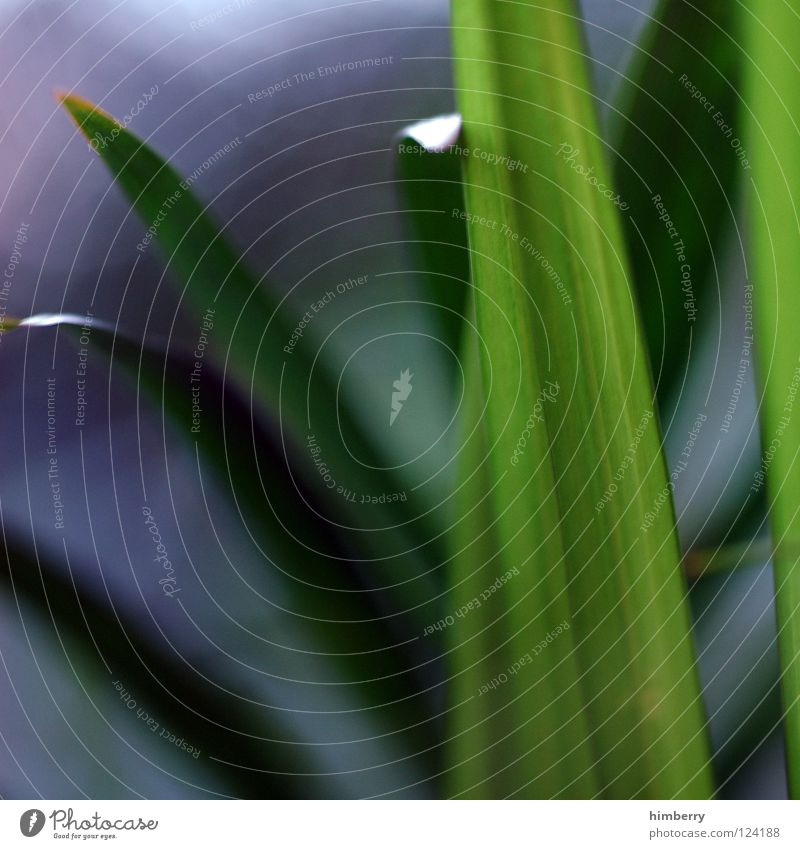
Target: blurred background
{"x": 109, "y": 689}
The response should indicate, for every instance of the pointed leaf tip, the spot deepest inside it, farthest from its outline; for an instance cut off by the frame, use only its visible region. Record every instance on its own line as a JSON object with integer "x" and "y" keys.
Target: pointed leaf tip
{"x": 81, "y": 109}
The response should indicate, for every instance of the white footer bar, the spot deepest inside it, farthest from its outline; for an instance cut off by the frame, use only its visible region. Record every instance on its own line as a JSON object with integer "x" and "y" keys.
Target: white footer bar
{"x": 400, "y": 825}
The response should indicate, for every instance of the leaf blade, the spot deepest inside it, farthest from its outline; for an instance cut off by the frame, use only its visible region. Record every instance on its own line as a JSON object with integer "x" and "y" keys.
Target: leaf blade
{"x": 251, "y": 335}
{"x": 678, "y": 173}
{"x": 524, "y": 94}
{"x": 772, "y": 32}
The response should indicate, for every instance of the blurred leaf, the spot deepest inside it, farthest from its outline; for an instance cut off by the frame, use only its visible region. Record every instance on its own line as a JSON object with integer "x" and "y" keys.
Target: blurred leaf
{"x": 362, "y": 637}
{"x": 429, "y": 180}
{"x": 491, "y": 629}
{"x": 676, "y": 169}
{"x": 599, "y": 705}
{"x": 202, "y": 714}
{"x": 296, "y": 390}
{"x": 700, "y": 563}
{"x": 773, "y": 101}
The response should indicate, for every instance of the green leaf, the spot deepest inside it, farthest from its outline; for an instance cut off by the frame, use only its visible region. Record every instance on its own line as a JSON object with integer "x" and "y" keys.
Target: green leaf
{"x": 527, "y": 737}
{"x": 773, "y": 104}
{"x": 677, "y": 171}
{"x": 599, "y": 710}
{"x": 365, "y": 654}
{"x": 429, "y": 181}
{"x": 251, "y": 333}
{"x": 701, "y": 563}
